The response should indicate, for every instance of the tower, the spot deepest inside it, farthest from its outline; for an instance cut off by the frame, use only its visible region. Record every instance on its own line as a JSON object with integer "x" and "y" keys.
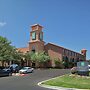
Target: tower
{"x": 36, "y": 43}
{"x": 83, "y": 52}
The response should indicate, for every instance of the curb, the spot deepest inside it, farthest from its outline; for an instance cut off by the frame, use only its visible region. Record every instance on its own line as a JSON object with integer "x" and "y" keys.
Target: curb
{"x": 56, "y": 87}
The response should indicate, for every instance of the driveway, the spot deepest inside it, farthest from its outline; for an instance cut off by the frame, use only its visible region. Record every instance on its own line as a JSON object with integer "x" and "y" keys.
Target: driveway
{"x": 29, "y": 82}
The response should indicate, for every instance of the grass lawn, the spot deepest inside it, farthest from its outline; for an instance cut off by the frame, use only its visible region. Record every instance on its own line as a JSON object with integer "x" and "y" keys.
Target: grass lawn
{"x": 70, "y": 81}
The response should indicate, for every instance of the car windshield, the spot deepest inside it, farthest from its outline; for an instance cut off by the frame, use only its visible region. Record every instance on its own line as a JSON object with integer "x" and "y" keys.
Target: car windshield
{"x": 14, "y": 65}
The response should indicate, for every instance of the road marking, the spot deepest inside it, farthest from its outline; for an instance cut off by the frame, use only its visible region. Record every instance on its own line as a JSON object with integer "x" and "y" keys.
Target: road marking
{"x": 18, "y": 74}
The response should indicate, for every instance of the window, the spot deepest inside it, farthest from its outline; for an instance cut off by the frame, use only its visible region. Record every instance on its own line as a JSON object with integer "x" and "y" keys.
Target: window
{"x": 41, "y": 36}
{"x": 33, "y": 49}
{"x": 34, "y": 36}
{"x": 64, "y": 51}
{"x": 71, "y": 53}
{"x": 74, "y": 53}
{"x": 68, "y": 53}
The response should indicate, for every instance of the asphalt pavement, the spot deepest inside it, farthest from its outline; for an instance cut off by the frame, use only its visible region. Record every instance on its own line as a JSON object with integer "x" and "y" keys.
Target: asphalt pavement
{"x": 29, "y": 81}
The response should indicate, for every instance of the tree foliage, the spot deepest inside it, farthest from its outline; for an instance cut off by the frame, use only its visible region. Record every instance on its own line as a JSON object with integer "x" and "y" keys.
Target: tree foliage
{"x": 7, "y": 51}
{"x": 58, "y": 63}
{"x": 40, "y": 57}
{"x": 66, "y": 62}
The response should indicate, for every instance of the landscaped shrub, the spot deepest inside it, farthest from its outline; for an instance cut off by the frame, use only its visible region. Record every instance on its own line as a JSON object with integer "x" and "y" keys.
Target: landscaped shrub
{"x": 58, "y": 63}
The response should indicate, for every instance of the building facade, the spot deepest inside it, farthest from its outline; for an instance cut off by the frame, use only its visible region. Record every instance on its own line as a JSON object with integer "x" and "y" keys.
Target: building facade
{"x": 37, "y": 44}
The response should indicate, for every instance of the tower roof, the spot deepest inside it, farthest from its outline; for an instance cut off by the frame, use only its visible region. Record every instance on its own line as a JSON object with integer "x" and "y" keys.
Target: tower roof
{"x": 36, "y": 25}
{"x": 83, "y": 49}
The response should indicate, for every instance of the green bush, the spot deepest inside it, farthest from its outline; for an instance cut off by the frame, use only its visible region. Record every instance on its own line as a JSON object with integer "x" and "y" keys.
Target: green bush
{"x": 58, "y": 63}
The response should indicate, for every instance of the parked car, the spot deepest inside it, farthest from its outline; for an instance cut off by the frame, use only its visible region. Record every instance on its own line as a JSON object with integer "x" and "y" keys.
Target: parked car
{"x": 14, "y": 68}
{"x": 7, "y": 69}
{"x": 26, "y": 70}
{"x": 4, "y": 72}
{"x": 82, "y": 68}
{"x": 89, "y": 67}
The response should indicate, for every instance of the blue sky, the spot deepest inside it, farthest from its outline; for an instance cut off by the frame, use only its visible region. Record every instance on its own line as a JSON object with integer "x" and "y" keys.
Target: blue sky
{"x": 66, "y": 22}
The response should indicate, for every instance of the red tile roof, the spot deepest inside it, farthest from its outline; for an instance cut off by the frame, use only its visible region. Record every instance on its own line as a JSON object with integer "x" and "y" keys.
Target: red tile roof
{"x": 23, "y": 50}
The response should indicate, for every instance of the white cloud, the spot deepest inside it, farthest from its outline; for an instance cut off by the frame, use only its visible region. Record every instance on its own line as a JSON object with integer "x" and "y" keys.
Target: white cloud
{"x": 2, "y": 24}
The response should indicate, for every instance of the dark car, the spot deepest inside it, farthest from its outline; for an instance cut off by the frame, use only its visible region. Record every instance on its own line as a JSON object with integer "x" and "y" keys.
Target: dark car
{"x": 4, "y": 72}
{"x": 14, "y": 68}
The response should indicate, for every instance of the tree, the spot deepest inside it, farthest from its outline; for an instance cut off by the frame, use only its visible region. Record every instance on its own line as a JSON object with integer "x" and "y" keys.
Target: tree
{"x": 42, "y": 58}
{"x": 18, "y": 57}
{"x": 58, "y": 63}
{"x": 66, "y": 62}
{"x": 39, "y": 58}
{"x": 7, "y": 51}
{"x": 27, "y": 57}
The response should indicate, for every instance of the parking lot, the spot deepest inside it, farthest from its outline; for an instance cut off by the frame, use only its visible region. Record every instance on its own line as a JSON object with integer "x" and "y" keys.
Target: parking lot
{"x": 29, "y": 81}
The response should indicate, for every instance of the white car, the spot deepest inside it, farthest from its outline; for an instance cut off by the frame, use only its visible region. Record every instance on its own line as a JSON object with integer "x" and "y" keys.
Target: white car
{"x": 89, "y": 67}
{"x": 26, "y": 70}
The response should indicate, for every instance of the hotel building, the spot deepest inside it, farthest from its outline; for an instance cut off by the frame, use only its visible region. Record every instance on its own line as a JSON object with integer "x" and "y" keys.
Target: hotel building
{"x": 37, "y": 44}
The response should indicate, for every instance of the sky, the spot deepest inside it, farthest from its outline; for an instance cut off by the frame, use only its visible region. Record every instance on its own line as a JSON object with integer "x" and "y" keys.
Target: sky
{"x": 65, "y": 22}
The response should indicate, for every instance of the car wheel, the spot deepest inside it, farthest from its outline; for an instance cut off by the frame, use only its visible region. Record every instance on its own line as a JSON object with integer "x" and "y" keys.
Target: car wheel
{"x": 10, "y": 74}
{"x": 32, "y": 71}
{"x": 25, "y": 72}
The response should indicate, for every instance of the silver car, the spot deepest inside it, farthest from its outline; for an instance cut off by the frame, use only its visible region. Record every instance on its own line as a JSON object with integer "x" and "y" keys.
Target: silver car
{"x": 26, "y": 70}
{"x": 89, "y": 67}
